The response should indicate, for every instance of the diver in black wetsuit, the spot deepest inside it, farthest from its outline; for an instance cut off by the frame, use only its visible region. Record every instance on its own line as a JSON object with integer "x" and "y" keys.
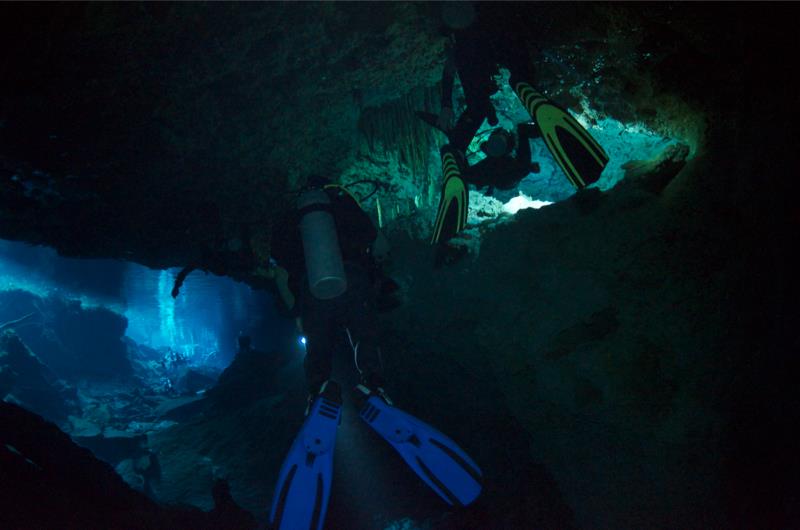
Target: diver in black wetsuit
{"x": 334, "y": 274}
{"x": 485, "y": 36}
{"x": 328, "y": 317}
{"x": 480, "y": 42}
{"x": 500, "y": 170}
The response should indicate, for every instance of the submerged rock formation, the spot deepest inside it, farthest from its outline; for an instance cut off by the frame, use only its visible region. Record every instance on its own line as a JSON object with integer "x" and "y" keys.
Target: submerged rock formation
{"x": 25, "y": 380}
{"x": 56, "y": 329}
{"x": 46, "y": 481}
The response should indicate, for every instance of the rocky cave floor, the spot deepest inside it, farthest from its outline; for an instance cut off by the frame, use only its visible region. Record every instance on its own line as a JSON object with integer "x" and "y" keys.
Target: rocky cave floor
{"x": 112, "y": 414}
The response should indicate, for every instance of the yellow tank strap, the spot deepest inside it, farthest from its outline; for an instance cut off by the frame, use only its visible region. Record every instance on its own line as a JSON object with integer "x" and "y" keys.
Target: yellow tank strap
{"x": 348, "y": 192}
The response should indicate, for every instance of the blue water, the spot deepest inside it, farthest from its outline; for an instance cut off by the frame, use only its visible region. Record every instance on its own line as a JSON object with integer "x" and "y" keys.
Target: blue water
{"x": 202, "y": 324}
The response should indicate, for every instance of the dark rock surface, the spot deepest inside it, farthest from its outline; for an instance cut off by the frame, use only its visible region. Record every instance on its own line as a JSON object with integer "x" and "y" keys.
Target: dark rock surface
{"x": 46, "y": 481}
{"x": 25, "y": 380}
{"x": 615, "y": 335}
{"x": 236, "y": 429}
{"x": 156, "y": 141}
{"x": 56, "y": 330}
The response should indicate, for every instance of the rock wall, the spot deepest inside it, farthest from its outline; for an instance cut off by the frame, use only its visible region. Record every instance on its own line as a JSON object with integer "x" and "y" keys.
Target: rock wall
{"x": 46, "y": 481}
{"x": 56, "y": 329}
{"x": 620, "y": 329}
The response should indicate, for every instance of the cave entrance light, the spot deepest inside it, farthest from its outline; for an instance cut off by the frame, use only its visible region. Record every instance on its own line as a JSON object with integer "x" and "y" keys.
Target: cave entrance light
{"x": 622, "y": 141}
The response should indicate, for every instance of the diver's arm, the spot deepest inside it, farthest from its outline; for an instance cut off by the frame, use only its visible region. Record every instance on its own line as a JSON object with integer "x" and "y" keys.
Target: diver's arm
{"x": 284, "y": 267}
{"x": 282, "y": 283}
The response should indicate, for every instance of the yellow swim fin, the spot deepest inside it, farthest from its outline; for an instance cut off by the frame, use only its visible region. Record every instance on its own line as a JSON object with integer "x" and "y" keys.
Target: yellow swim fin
{"x": 578, "y": 154}
{"x": 454, "y": 203}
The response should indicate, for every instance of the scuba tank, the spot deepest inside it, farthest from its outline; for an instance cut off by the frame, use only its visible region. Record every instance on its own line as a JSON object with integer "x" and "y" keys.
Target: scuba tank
{"x": 323, "y": 256}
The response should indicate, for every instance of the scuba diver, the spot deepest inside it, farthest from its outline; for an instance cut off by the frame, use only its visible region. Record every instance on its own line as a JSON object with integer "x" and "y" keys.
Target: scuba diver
{"x": 330, "y": 242}
{"x": 483, "y": 38}
{"x": 245, "y": 344}
{"x": 326, "y": 265}
{"x": 499, "y": 170}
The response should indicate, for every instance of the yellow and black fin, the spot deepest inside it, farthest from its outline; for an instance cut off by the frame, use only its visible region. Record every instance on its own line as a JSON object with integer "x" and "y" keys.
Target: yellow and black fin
{"x": 454, "y": 203}
{"x": 578, "y": 154}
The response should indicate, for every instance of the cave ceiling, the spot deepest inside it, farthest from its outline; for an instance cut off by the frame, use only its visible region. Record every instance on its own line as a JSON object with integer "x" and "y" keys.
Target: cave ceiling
{"x": 171, "y": 134}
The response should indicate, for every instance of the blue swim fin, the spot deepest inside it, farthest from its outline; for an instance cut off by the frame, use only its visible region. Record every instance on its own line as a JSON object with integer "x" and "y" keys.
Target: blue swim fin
{"x": 304, "y": 483}
{"x": 444, "y": 466}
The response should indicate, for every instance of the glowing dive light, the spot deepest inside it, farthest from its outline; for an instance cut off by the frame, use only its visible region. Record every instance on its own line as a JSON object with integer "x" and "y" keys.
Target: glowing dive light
{"x": 303, "y": 340}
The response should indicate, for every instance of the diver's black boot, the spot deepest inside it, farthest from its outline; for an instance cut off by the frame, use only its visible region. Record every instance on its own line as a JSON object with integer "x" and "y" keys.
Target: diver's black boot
{"x": 528, "y": 131}
{"x": 329, "y": 390}
{"x": 491, "y": 116}
{"x": 363, "y": 393}
{"x": 371, "y": 385}
{"x": 451, "y": 155}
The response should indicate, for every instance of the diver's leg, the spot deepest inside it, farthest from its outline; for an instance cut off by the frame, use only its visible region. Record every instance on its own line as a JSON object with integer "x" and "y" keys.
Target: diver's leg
{"x": 479, "y": 175}
{"x": 525, "y": 132}
{"x": 467, "y": 125}
{"x": 317, "y": 326}
{"x": 523, "y": 75}
{"x": 361, "y": 327}
{"x": 513, "y": 54}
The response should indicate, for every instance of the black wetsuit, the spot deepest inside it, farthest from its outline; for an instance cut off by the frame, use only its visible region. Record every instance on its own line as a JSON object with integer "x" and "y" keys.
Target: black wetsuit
{"x": 505, "y": 172}
{"x": 326, "y": 322}
{"x": 493, "y": 40}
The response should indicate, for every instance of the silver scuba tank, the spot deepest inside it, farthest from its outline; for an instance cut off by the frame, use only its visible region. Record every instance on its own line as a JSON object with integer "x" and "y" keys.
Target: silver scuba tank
{"x": 323, "y": 256}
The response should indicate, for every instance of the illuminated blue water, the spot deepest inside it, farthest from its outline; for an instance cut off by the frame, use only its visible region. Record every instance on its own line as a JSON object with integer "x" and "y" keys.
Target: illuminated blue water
{"x": 202, "y": 323}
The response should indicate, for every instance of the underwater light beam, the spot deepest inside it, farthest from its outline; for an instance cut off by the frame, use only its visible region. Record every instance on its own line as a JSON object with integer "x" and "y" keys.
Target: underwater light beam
{"x": 521, "y": 202}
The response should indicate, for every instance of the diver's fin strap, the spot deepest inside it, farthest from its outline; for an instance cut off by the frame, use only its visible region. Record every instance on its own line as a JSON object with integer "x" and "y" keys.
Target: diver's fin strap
{"x": 454, "y": 195}
{"x": 354, "y": 345}
{"x": 549, "y": 117}
{"x": 367, "y": 392}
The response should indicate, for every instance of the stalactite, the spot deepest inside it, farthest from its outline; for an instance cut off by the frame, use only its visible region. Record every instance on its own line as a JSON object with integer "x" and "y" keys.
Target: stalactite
{"x": 393, "y": 129}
